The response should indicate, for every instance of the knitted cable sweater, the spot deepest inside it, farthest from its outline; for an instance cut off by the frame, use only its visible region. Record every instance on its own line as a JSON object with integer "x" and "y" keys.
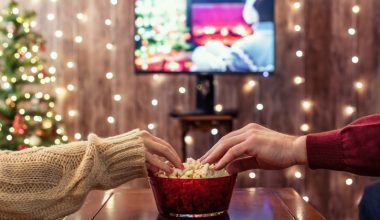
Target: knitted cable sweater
{"x": 49, "y": 183}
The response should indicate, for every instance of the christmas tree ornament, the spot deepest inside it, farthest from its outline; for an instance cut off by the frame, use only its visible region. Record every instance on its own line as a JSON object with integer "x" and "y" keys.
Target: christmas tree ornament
{"x": 11, "y": 27}
{"x": 34, "y": 140}
{"x": 22, "y": 147}
{"x": 46, "y": 124}
{"x": 39, "y": 132}
{"x": 18, "y": 124}
{"x": 10, "y": 103}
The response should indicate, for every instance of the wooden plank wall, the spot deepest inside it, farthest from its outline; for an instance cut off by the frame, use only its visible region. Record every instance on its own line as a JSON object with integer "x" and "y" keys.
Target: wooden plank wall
{"x": 326, "y": 66}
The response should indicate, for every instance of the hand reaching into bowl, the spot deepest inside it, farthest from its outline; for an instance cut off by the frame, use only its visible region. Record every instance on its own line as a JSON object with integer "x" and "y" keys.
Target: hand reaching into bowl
{"x": 255, "y": 146}
{"x": 158, "y": 152}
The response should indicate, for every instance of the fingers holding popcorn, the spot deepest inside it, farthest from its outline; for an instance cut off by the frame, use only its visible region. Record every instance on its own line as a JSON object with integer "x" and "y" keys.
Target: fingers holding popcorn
{"x": 155, "y": 162}
{"x": 156, "y": 148}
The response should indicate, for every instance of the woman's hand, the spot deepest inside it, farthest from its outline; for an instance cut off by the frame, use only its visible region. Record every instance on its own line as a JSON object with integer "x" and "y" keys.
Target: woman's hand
{"x": 158, "y": 152}
{"x": 255, "y": 146}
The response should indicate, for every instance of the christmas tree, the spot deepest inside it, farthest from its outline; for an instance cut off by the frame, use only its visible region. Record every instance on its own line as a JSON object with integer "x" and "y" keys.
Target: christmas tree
{"x": 27, "y": 118}
{"x": 162, "y": 35}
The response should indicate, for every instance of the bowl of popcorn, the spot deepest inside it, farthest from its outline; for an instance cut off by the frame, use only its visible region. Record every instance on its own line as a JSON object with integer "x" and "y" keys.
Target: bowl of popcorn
{"x": 197, "y": 191}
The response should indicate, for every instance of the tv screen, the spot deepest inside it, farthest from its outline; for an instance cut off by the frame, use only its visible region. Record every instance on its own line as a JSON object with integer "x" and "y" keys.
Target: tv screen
{"x": 204, "y": 36}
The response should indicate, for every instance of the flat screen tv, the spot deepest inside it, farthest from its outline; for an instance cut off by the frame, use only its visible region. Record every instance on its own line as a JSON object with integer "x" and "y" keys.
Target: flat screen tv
{"x": 204, "y": 36}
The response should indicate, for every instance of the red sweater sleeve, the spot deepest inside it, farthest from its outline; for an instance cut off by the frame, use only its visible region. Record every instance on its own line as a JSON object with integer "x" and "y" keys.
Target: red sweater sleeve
{"x": 354, "y": 148}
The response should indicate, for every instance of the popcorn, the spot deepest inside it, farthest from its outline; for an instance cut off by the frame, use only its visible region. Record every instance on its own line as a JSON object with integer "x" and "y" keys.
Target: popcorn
{"x": 194, "y": 169}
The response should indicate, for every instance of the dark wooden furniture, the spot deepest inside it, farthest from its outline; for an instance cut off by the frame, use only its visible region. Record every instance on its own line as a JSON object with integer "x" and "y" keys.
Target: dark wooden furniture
{"x": 251, "y": 203}
{"x": 202, "y": 122}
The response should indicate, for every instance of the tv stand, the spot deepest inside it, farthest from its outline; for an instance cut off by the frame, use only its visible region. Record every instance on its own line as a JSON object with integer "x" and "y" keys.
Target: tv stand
{"x": 204, "y": 123}
{"x": 205, "y": 94}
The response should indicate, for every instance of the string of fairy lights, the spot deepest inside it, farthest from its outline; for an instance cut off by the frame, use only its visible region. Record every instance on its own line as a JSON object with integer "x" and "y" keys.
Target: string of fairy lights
{"x": 61, "y": 90}
{"x": 299, "y": 80}
{"x": 358, "y": 84}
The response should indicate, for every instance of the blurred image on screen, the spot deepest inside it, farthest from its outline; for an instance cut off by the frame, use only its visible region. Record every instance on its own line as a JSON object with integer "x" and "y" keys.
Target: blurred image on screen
{"x": 207, "y": 36}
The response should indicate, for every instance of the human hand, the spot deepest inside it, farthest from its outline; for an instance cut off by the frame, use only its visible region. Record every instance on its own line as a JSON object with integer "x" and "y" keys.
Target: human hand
{"x": 157, "y": 152}
{"x": 255, "y": 146}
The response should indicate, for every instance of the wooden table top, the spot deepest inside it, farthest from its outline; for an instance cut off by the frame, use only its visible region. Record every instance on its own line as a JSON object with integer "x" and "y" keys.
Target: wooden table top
{"x": 251, "y": 203}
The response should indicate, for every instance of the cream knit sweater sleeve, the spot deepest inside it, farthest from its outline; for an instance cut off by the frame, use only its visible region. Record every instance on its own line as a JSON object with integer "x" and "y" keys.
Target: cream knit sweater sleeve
{"x": 49, "y": 183}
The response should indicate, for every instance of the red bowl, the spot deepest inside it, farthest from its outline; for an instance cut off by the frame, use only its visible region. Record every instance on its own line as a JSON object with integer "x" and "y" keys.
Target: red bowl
{"x": 192, "y": 197}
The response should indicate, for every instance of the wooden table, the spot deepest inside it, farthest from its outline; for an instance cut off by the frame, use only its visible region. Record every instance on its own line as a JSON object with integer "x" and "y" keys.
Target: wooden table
{"x": 251, "y": 203}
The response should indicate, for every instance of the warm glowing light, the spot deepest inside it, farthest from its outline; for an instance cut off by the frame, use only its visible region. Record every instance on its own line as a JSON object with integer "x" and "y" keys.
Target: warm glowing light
{"x": 109, "y": 75}
{"x": 59, "y": 131}
{"x": 259, "y": 106}
{"x": 356, "y": 9}
{"x": 46, "y": 96}
{"x": 151, "y": 126}
{"x": 70, "y": 64}
{"x": 188, "y": 140}
{"x": 65, "y": 138}
{"x": 349, "y": 181}
{"x": 249, "y": 85}
{"x": 154, "y": 102}
{"x": 297, "y": 5}
{"x": 298, "y": 174}
{"x": 49, "y": 114}
{"x": 299, "y": 53}
{"x": 117, "y": 98}
{"x": 349, "y": 110}
{"x": 60, "y": 91}
{"x": 39, "y": 95}
{"x": 50, "y": 16}
{"x": 252, "y": 175}
{"x": 305, "y": 127}
{"x": 78, "y": 39}
{"x": 214, "y": 131}
{"x": 351, "y": 31}
{"x": 252, "y": 83}
{"x": 113, "y": 2}
{"x": 53, "y": 55}
{"x": 306, "y": 105}
{"x": 297, "y": 28}
{"x": 358, "y": 85}
{"x": 108, "y": 22}
{"x": 9, "y": 137}
{"x": 15, "y": 11}
{"x": 111, "y": 120}
{"x": 52, "y": 70}
{"x": 58, "y": 117}
{"x": 109, "y": 46}
{"x": 70, "y": 87}
{"x": 156, "y": 77}
{"x": 218, "y": 107}
{"x": 182, "y": 90}
{"x": 81, "y": 17}
{"x": 355, "y": 59}
{"x": 306, "y": 198}
{"x": 73, "y": 113}
{"x": 58, "y": 34}
{"x": 77, "y": 136}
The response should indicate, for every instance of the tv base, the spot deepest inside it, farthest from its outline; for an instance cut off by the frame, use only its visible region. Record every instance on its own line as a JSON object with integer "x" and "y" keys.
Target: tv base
{"x": 205, "y": 94}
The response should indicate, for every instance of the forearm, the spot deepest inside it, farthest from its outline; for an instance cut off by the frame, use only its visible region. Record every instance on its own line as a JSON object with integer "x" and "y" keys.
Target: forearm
{"x": 53, "y": 182}
{"x": 354, "y": 148}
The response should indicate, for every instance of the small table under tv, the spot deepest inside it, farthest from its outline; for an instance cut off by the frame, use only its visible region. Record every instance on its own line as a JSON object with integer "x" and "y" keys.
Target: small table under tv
{"x": 203, "y": 122}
